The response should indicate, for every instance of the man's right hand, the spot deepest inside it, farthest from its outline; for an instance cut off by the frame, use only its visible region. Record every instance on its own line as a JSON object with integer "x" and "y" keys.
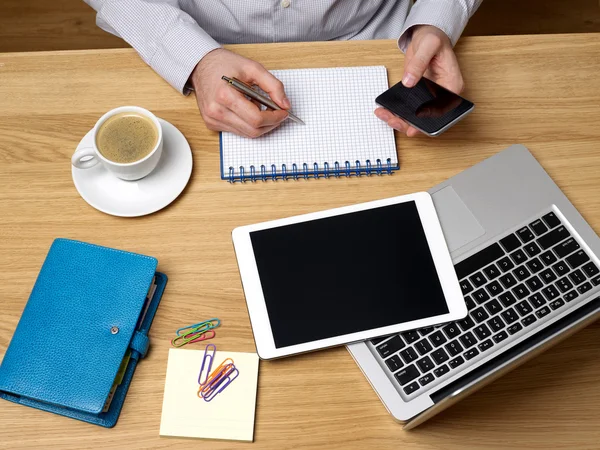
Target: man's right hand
{"x": 226, "y": 109}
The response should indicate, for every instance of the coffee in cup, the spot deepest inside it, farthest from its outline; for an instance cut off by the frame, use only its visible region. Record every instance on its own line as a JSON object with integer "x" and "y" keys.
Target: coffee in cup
{"x": 126, "y": 137}
{"x": 128, "y": 141}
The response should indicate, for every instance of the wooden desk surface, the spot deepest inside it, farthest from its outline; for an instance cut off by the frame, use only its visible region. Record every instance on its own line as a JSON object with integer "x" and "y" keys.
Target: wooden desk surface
{"x": 541, "y": 91}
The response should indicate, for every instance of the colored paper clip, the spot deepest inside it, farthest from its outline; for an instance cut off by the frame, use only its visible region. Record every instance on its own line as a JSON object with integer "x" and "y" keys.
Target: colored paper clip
{"x": 203, "y": 336}
{"x": 207, "y": 323}
{"x": 180, "y": 341}
{"x": 215, "y": 374}
{"x": 209, "y": 356}
{"x": 218, "y": 383}
{"x": 221, "y": 385}
{"x": 197, "y": 332}
{"x": 218, "y": 380}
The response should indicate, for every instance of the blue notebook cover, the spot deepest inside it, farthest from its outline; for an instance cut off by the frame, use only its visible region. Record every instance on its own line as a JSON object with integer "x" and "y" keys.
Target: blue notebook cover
{"x": 79, "y": 322}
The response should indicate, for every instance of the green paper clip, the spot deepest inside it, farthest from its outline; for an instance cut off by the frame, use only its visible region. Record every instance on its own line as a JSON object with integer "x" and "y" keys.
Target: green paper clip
{"x": 195, "y": 333}
{"x": 197, "y": 325}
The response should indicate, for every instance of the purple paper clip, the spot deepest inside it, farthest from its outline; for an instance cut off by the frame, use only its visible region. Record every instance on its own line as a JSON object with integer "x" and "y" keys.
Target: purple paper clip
{"x": 208, "y": 355}
{"x": 222, "y": 370}
{"x": 219, "y": 385}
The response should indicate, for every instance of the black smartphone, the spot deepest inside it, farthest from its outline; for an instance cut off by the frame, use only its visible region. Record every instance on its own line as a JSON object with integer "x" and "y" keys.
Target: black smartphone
{"x": 427, "y": 106}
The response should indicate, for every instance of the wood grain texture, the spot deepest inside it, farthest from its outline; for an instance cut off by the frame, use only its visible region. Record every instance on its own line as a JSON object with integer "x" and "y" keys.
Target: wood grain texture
{"x": 541, "y": 91}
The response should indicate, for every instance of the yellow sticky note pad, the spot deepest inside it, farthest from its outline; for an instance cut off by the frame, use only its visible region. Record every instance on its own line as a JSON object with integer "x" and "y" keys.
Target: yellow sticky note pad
{"x": 230, "y": 415}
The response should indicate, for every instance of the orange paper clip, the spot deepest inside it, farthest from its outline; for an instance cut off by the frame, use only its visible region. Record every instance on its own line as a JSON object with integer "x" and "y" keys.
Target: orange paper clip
{"x": 224, "y": 369}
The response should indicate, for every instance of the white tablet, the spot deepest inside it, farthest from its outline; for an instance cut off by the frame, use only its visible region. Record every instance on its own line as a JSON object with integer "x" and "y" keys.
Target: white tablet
{"x": 347, "y": 274}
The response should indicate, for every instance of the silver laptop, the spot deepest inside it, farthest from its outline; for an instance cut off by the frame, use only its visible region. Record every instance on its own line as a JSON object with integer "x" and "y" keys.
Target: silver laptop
{"x": 528, "y": 267}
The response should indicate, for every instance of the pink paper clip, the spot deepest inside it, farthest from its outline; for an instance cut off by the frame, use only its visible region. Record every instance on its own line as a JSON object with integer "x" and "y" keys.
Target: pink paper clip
{"x": 197, "y": 332}
{"x": 202, "y": 336}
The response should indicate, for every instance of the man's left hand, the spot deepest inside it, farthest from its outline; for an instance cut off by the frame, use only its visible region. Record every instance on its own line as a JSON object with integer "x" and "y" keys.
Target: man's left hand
{"x": 429, "y": 54}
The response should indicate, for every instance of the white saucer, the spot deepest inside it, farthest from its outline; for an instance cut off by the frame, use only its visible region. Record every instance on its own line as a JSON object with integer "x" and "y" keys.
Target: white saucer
{"x": 117, "y": 197}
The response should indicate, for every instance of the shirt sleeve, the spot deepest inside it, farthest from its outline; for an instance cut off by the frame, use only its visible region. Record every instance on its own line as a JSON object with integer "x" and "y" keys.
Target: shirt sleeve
{"x": 450, "y": 16}
{"x": 168, "y": 39}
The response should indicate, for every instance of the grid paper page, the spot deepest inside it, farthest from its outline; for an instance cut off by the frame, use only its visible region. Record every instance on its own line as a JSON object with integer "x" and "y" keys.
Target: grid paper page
{"x": 337, "y": 106}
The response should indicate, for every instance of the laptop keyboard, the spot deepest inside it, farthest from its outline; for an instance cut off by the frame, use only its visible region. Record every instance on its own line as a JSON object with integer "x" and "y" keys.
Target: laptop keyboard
{"x": 510, "y": 287}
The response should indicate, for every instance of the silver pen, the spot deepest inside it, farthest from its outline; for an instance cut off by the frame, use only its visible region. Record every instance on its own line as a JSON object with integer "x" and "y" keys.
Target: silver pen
{"x": 247, "y": 90}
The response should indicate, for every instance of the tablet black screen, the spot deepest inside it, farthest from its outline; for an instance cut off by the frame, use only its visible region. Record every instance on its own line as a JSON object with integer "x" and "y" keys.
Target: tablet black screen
{"x": 347, "y": 273}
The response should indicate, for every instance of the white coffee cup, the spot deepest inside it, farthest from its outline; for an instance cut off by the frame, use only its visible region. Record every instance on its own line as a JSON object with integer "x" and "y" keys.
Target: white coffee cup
{"x": 88, "y": 157}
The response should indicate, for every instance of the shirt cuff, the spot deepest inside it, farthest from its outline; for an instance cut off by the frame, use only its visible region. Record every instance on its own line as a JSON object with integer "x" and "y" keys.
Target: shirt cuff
{"x": 448, "y": 15}
{"x": 179, "y": 51}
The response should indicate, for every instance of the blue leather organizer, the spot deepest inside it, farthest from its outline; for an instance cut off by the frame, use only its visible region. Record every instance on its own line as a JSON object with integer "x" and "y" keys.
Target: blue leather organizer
{"x": 81, "y": 318}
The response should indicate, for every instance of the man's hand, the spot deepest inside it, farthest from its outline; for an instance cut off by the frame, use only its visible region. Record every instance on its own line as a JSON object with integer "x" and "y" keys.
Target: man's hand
{"x": 429, "y": 53}
{"x": 224, "y": 108}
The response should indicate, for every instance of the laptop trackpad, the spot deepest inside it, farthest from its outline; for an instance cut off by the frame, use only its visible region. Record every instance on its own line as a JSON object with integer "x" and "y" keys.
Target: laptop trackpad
{"x": 458, "y": 223}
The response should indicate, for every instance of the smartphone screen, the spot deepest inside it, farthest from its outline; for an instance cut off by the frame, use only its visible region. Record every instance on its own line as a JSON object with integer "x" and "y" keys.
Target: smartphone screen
{"x": 427, "y": 106}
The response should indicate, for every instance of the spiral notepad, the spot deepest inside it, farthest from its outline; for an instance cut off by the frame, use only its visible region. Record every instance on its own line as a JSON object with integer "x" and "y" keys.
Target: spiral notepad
{"x": 342, "y": 136}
